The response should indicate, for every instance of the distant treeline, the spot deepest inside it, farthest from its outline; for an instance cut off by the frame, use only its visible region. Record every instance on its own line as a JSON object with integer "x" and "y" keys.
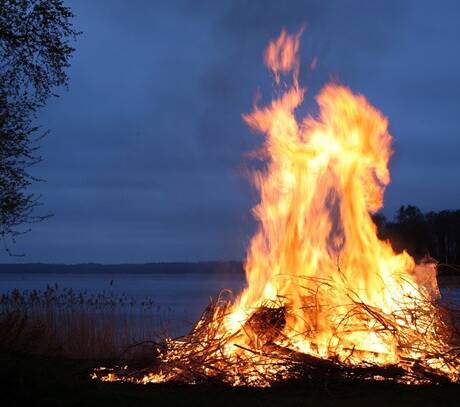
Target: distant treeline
{"x": 146, "y": 268}
{"x": 435, "y": 234}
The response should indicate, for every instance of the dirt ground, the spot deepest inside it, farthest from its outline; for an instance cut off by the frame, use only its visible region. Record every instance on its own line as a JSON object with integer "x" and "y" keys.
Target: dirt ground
{"x": 39, "y": 381}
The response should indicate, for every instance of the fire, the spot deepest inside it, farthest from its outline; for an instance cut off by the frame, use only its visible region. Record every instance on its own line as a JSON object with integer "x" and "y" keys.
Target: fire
{"x": 321, "y": 286}
{"x": 316, "y": 238}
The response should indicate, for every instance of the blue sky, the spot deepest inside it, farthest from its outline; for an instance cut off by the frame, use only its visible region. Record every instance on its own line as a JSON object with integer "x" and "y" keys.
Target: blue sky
{"x": 147, "y": 156}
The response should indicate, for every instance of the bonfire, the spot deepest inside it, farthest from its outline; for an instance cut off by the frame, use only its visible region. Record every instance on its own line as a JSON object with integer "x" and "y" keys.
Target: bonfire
{"x": 324, "y": 296}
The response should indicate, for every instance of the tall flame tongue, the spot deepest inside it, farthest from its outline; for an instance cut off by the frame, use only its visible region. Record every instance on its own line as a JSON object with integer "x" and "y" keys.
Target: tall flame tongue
{"x": 321, "y": 287}
{"x": 316, "y": 249}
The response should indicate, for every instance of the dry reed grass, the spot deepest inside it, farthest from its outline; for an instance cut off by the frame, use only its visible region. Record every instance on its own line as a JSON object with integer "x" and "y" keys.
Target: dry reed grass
{"x": 200, "y": 356}
{"x": 80, "y": 325}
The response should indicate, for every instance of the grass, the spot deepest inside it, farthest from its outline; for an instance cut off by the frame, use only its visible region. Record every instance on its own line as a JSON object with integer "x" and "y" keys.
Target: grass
{"x": 79, "y": 325}
{"x": 50, "y": 342}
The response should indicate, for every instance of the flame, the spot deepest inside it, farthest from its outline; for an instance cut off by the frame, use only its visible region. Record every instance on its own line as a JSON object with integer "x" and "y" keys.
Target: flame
{"x": 324, "y": 176}
{"x": 282, "y": 54}
{"x": 319, "y": 280}
{"x": 316, "y": 252}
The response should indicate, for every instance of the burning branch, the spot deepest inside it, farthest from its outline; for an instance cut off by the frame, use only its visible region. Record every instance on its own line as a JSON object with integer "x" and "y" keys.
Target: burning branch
{"x": 326, "y": 299}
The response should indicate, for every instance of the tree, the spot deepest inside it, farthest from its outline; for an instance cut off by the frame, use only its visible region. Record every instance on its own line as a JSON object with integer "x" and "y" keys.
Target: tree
{"x": 409, "y": 231}
{"x": 35, "y": 53}
{"x": 445, "y": 235}
{"x": 381, "y": 222}
{"x": 409, "y": 215}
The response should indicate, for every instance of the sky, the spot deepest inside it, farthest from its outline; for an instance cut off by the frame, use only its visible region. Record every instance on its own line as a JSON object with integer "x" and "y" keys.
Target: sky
{"x": 147, "y": 157}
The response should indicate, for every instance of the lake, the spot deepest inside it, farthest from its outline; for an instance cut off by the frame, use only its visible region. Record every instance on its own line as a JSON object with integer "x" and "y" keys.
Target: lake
{"x": 178, "y": 298}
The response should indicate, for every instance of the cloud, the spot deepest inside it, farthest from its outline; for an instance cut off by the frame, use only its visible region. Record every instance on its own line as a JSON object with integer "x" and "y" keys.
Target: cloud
{"x": 147, "y": 156}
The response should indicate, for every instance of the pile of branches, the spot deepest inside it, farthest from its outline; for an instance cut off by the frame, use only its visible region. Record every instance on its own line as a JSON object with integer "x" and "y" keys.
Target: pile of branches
{"x": 202, "y": 356}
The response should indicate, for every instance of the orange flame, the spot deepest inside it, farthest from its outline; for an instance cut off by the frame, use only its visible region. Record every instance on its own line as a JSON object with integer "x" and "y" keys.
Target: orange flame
{"x": 282, "y": 54}
{"x": 319, "y": 281}
{"x": 316, "y": 252}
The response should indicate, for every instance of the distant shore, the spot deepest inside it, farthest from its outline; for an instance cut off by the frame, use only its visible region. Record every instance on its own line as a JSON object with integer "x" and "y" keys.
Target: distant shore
{"x": 234, "y": 267}
{"x": 208, "y": 267}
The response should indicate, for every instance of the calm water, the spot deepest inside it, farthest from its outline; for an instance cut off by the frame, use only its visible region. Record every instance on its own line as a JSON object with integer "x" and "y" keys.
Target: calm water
{"x": 181, "y": 297}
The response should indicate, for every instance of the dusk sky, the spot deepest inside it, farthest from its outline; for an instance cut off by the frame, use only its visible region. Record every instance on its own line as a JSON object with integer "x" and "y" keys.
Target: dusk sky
{"x": 147, "y": 159}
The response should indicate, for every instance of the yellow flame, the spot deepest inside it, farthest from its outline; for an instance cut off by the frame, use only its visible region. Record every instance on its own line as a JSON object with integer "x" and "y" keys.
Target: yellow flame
{"x": 319, "y": 281}
{"x": 317, "y": 249}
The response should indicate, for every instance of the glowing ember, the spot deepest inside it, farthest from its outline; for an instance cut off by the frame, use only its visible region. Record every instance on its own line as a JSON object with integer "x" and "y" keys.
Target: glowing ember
{"x": 323, "y": 292}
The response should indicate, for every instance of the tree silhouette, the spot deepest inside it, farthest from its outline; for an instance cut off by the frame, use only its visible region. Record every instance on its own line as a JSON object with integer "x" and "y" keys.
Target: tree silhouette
{"x": 436, "y": 234}
{"x": 35, "y": 53}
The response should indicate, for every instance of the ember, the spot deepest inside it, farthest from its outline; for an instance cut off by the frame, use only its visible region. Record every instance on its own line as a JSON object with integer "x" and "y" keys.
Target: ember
{"x": 325, "y": 297}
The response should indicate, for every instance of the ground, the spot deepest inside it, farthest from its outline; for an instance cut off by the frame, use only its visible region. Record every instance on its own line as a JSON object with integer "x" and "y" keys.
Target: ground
{"x": 39, "y": 381}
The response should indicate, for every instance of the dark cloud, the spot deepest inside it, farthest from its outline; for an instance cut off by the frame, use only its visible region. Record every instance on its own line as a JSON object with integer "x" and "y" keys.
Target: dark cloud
{"x": 146, "y": 159}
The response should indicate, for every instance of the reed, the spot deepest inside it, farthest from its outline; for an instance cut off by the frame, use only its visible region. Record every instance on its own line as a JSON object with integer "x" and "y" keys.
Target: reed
{"x": 81, "y": 324}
